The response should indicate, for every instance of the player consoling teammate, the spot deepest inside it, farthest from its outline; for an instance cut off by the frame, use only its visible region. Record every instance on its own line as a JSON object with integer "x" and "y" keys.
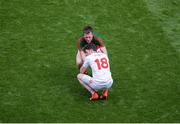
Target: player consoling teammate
{"x": 87, "y": 38}
{"x": 93, "y": 54}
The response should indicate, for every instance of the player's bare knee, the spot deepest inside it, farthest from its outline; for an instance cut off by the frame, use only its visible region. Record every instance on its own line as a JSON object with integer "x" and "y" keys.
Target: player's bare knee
{"x": 79, "y": 76}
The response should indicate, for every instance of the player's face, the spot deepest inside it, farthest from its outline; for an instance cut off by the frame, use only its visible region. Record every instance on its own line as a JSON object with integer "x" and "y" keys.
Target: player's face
{"x": 88, "y": 37}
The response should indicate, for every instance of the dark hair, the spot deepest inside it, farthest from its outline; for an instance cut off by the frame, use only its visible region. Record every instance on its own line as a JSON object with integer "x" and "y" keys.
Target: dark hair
{"x": 87, "y": 29}
{"x": 89, "y": 46}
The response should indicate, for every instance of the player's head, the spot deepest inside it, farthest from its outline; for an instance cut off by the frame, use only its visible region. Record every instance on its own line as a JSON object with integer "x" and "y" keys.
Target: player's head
{"x": 89, "y": 48}
{"x": 88, "y": 33}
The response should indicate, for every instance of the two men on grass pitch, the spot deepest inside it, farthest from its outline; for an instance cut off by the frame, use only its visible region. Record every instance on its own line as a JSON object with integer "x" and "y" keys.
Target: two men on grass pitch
{"x": 101, "y": 79}
{"x": 88, "y": 37}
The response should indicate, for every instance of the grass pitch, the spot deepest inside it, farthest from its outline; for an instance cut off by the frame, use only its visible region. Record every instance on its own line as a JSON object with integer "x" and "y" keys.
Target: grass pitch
{"x": 37, "y": 60}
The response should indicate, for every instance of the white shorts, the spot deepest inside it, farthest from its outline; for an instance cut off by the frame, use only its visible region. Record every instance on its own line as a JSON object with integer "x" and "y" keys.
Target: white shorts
{"x": 96, "y": 85}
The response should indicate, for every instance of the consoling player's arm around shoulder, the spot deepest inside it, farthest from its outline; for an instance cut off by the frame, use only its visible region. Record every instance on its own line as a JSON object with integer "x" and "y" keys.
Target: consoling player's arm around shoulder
{"x": 78, "y": 43}
{"x": 103, "y": 47}
{"x": 104, "y": 50}
{"x": 79, "y": 48}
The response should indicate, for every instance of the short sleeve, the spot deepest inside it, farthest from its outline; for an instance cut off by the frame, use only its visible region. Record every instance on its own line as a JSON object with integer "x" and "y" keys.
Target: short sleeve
{"x": 86, "y": 62}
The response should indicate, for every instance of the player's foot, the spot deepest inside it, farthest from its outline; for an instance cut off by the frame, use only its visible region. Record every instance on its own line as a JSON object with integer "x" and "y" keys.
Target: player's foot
{"x": 104, "y": 94}
{"x": 94, "y": 96}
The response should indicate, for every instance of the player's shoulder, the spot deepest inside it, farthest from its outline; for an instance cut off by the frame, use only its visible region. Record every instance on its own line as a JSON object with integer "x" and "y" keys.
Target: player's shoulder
{"x": 96, "y": 55}
{"x": 81, "y": 39}
{"x": 97, "y": 38}
{"x": 103, "y": 55}
{"x": 80, "y": 42}
{"x": 90, "y": 57}
{"x": 99, "y": 54}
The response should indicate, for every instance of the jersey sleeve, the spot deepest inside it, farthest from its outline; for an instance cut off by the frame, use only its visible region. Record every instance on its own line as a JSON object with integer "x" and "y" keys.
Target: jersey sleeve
{"x": 86, "y": 62}
{"x": 99, "y": 40}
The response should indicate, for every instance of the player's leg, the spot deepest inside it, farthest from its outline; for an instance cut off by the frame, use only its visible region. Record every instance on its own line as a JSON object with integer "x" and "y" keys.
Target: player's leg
{"x": 104, "y": 94}
{"x": 85, "y": 80}
{"x": 82, "y": 82}
{"x": 105, "y": 90}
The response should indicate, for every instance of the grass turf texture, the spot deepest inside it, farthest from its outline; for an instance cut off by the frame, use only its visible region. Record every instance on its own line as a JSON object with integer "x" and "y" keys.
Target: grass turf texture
{"x": 37, "y": 60}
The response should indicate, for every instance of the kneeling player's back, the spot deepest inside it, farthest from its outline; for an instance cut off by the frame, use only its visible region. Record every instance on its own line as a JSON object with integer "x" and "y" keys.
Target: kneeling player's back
{"x": 99, "y": 63}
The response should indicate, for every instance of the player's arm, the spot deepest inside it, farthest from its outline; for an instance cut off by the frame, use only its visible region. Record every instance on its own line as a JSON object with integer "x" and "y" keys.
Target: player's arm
{"x": 103, "y": 47}
{"x": 84, "y": 66}
{"x": 104, "y": 50}
{"x": 83, "y": 70}
{"x": 80, "y": 50}
{"x": 83, "y": 55}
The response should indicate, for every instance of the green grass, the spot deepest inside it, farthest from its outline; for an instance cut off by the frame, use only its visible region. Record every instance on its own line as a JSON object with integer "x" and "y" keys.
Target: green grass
{"x": 37, "y": 60}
